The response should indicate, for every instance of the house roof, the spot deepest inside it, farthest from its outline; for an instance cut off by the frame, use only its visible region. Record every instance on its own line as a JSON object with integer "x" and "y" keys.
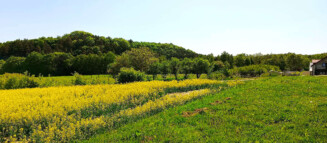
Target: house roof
{"x": 317, "y": 61}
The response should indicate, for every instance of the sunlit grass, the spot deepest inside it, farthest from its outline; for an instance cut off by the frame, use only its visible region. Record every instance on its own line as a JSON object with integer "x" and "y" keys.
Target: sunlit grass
{"x": 281, "y": 109}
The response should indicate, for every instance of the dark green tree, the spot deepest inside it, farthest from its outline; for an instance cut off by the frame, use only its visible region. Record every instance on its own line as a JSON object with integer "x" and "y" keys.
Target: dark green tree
{"x": 187, "y": 66}
{"x": 2, "y": 62}
{"x": 226, "y": 57}
{"x": 294, "y": 62}
{"x": 154, "y": 69}
{"x": 165, "y": 69}
{"x": 174, "y": 67}
{"x": 201, "y": 66}
{"x": 217, "y": 65}
{"x": 34, "y": 63}
{"x": 14, "y": 65}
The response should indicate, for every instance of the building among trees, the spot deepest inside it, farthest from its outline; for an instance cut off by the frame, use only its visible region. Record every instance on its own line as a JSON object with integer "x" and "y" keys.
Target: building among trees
{"x": 318, "y": 67}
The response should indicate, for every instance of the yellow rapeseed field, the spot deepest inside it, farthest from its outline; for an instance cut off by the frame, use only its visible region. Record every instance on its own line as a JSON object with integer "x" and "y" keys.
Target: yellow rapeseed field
{"x": 61, "y": 114}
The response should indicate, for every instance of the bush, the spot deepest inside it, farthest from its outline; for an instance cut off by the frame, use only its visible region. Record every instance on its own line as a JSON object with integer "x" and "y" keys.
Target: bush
{"x": 78, "y": 79}
{"x": 252, "y": 70}
{"x": 130, "y": 75}
{"x": 217, "y": 76}
{"x": 15, "y": 81}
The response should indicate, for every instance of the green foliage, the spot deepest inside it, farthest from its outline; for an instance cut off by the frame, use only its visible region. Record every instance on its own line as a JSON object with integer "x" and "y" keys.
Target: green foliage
{"x": 141, "y": 58}
{"x": 174, "y": 66}
{"x": 15, "y": 81}
{"x": 120, "y": 45}
{"x": 295, "y": 62}
{"x": 227, "y": 58}
{"x": 187, "y": 67}
{"x": 252, "y": 70}
{"x": 241, "y": 60}
{"x": 56, "y": 64}
{"x": 217, "y": 65}
{"x": 217, "y": 75}
{"x": 165, "y": 69}
{"x": 92, "y": 63}
{"x": 201, "y": 66}
{"x": 120, "y": 62}
{"x": 167, "y": 50}
{"x": 59, "y": 63}
{"x": 14, "y": 65}
{"x": 78, "y": 79}
{"x": 154, "y": 69}
{"x": 130, "y": 75}
{"x": 80, "y": 42}
{"x": 35, "y": 63}
{"x": 2, "y": 62}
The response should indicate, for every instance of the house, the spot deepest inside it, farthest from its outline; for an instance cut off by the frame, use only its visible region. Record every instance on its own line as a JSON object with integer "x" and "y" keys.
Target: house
{"x": 318, "y": 67}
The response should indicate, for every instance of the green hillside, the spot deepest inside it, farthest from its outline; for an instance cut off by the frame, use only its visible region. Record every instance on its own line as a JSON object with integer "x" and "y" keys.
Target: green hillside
{"x": 80, "y": 42}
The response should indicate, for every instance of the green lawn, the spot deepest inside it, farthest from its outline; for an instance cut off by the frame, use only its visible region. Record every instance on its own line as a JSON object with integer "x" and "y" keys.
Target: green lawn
{"x": 280, "y": 109}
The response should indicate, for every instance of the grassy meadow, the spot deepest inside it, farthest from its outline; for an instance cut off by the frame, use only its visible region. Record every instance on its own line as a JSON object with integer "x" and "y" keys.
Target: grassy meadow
{"x": 280, "y": 109}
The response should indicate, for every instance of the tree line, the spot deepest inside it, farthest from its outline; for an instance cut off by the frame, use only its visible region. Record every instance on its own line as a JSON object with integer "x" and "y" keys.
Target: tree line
{"x": 145, "y": 60}
{"x": 88, "y": 54}
{"x": 57, "y": 64}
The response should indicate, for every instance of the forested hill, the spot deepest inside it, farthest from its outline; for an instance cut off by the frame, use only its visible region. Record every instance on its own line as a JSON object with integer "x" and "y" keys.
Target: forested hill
{"x": 80, "y": 42}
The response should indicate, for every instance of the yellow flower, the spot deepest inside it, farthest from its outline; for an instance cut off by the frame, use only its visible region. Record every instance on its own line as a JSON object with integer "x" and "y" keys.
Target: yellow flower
{"x": 65, "y": 113}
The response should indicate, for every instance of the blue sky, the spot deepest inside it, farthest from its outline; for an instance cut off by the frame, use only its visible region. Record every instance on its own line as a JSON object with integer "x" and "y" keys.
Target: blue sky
{"x": 204, "y": 26}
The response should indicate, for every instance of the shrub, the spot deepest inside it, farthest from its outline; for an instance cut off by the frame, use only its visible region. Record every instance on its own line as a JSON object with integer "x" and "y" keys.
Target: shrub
{"x": 252, "y": 70}
{"x": 217, "y": 76}
{"x": 78, "y": 79}
{"x": 15, "y": 81}
{"x": 130, "y": 75}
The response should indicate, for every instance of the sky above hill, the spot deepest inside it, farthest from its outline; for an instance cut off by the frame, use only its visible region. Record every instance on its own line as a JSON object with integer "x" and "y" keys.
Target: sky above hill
{"x": 204, "y": 26}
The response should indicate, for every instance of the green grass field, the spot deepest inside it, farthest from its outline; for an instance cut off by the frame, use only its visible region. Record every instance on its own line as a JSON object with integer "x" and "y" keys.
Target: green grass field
{"x": 69, "y": 80}
{"x": 279, "y": 109}
{"x": 16, "y": 81}
{"x": 101, "y": 79}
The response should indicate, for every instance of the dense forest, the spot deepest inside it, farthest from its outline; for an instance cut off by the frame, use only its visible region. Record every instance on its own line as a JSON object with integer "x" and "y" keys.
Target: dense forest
{"x": 86, "y": 53}
{"x": 80, "y": 42}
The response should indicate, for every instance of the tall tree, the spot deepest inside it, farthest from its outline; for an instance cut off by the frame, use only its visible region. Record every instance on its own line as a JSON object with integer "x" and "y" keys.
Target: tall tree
{"x": 154, "y": 69}
{"x": 187, "y": 66}
{"x": 240, "y": 60}
{"x": 174, "y": 66}
{"x": 226, "y": 57}
{"x": 121, "y": 45}
{"x": 141, "y": 58}
{"x": 217, "y": 65}
{"x": 165, "y": 69}
{"x": 34, "y": 63}
{"x": 120, "y": 62}
{"x": 294, "y": 62}
{"x": 201, "y": 66}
